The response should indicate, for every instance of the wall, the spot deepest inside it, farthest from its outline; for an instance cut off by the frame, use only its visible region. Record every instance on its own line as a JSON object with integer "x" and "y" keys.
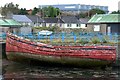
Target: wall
{"x": 4, "y": 29}
{"x": 103, "y": 28}
{"x": 72, "y": 25}
{"x": 50, "y": 24}
{"x": 35, "y": 24}
{"x": 26, "y": 30}
{"x": 115, "y": 28}
{"x": 90, "y": 28}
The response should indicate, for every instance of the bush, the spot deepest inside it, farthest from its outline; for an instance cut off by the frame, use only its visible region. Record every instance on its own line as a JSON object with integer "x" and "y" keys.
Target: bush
{"x": 83, "y": 41}
{"x": 104, "y": 40}
{"x": 95, "y": 40}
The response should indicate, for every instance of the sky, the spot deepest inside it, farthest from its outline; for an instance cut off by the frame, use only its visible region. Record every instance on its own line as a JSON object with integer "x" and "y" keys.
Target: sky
{"x": 30, "y": 4}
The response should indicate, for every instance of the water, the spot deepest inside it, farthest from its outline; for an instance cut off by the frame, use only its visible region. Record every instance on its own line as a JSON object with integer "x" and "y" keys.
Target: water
{"x": 14, "y": 70}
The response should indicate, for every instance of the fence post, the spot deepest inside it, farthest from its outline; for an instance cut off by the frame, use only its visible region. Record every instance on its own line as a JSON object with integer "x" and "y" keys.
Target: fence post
{"x": 116, "y": 36}
{"x": 51, "y": 37}
{"x": 110, "y": 36}
{"x": 39, "y": 36}
{"x": 63, "y": 37}
{"x": 75, "y": 38}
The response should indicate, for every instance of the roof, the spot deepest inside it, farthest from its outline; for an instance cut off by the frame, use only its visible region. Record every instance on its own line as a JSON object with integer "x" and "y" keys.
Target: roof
{"x": 84, "y": 20}
{"x": 21, "y": 18}
{"x": 9, "y": 22}
{"x": 2, "y": 22}
{"x": 70, "y": 19}
{"x": 53, "y": 20}
{"x": 35, "y": 18}
{"x": 12, "y": 22}
{"x": 105, "y": 18}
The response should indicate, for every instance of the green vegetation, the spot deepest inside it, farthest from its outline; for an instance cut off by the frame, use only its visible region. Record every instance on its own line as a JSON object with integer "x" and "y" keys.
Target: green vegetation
{"x": 95, "y": 11}
{"x": 82, "y": 41}
{"x": 47, "y": 11}
{"x": 50, "y": 11}
{"x": 23, "y": 11}
{"x": 35, "y": 11}
{"x": 44, "y": 12}
{"x": 116, "y": 12}
{"x": 104, "y": 40}
{"x": 90, "y": 13}
{"x": 10, "y": 8}
{"x": 83, "y": 15}
{"x": 95, "y": 40}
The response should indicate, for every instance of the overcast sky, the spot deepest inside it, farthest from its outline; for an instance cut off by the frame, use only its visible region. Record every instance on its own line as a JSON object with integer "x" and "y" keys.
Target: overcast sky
{"x": 30, "y": 4}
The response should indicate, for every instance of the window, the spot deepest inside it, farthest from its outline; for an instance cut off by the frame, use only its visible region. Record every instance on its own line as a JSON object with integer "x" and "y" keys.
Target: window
{"x": 96, "y": 27}
{"x": 68, "y": 25}
{"x": 85, "y": 25}
{"x": 60, "y": 25}
{"x": 78, "y": 25}
{"x": 50, "y": 25}
{"x": 79, "y": 7}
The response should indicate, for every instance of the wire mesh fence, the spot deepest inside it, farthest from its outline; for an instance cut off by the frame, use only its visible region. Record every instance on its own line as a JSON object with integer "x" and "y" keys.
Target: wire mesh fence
{"x": 63, "y": 37}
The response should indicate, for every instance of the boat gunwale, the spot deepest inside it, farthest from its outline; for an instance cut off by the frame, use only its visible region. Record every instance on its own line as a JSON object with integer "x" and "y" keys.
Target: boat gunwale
{"x": 62, "y": 47}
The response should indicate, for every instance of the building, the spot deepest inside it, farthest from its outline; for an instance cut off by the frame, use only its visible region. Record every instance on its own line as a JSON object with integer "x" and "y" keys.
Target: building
{"x": 71, "y": 22}
{"x": 76, "y": 8}
{"x": 104, "y": 23}
{"x": 36, "y": 21}
{"x": 9, "y": 25}
{"x": 53, "y": 21}
{"x": 25, "y": 21}
{"x": 29, "y": 11}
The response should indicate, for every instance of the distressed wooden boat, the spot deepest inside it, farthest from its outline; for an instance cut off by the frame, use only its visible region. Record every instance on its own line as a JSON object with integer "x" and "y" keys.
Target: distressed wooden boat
{"x": 18, "y": 48}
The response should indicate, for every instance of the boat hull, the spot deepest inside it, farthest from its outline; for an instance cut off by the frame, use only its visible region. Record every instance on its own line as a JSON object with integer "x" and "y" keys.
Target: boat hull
{"x": 80, "y": 62}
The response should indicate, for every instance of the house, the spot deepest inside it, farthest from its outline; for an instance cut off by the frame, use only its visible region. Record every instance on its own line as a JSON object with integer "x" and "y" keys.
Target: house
{"x": 70, "y": 22}
{"x": 66, "y": 22}
{"x": 25, "y": 21}
{"x": 84, "y": 22}
{"x": 53, "y": 21}
{"x": 9, "y": 25}
{"x": 29, "y": 11}
{"x": 104, "y": 23}
{"x": 36, "y": 20}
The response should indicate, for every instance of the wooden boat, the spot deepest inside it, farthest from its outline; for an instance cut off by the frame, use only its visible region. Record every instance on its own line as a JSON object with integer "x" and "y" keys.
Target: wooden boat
{"x": 18, "y": 48}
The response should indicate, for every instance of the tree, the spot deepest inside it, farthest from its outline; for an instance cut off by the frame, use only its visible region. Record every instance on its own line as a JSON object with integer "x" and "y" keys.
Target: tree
{"x": 82, "y": 15}
{"x": 50, "y": 11}
{"x": 116, "y": 12}
{"x": 35, "y": 11}
{"x": 95, "y": 11}
{"x": 10, "y": 8}
{"x": 23, "y": 11}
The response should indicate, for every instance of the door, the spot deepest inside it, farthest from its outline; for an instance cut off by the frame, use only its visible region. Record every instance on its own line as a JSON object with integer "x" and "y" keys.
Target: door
{"x": 109, "y": 30}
